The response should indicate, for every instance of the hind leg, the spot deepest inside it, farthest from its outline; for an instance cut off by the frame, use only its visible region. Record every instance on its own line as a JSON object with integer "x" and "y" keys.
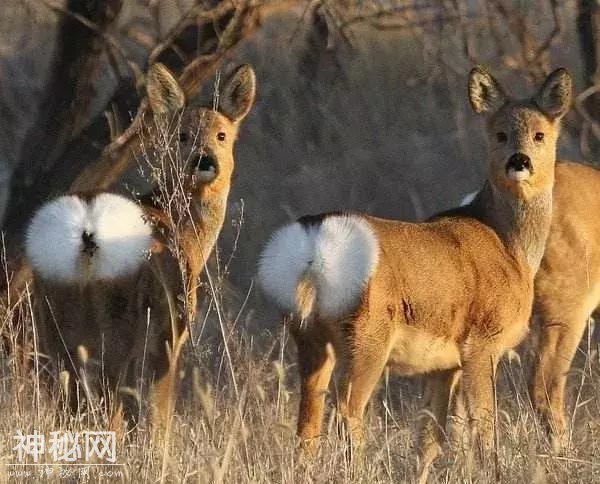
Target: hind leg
{"x": 431, "y": 433}
{"x": 367, "y": 358}
{"x": 316, "y": 361}
{"x": 560, "y": 337}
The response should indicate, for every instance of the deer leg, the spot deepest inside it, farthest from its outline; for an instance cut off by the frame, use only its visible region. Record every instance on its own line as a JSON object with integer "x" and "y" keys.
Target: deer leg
{"x": 316, "y": 361}
{"x": 478, "y": 380}
{"x": 558, "y": 345}
{"x": 457, "y": 413}
{"x": 166, "y": 385}
{"x": 167, "y": 335}
{"x": 364, "y": 366}
{"x": 162, "y": 397}
{"x": 432, "y": 425}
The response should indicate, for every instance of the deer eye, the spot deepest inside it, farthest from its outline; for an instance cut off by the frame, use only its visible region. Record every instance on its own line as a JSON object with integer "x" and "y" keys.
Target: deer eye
{"x": 501, "y": 137}
{"x": 183, "y": 137}
{"x": 221, "y": 136}
{"x": 539, "y": 137}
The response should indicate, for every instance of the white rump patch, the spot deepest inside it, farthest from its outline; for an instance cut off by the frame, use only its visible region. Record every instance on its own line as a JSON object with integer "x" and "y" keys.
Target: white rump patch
{"x": 341, "y": 254}
{"x": 55, "y": 245}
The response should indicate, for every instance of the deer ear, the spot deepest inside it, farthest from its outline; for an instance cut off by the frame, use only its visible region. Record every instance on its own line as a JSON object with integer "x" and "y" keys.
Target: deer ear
{"x": 485, "y": 94}
{"x": 238, "y": 93}
{"x": 554, "y": 97}
{"x": 164, "y": 93}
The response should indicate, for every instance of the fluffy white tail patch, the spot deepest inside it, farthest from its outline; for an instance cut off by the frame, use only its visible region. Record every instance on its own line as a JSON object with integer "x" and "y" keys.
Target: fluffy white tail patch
{"x": 71, "y": 239}
{"x": 340, "y": 254}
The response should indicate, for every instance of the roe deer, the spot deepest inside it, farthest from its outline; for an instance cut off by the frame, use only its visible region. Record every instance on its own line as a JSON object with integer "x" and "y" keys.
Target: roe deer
{"x": 432, "y": 298}
{"x": 567, "y": 290}
{"x": 114, "y": 278}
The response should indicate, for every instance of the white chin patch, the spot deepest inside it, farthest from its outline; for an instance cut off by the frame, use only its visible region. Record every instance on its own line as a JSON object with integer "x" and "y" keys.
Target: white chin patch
{"x": 205, "y": 176}
{"x": 520, "y": 175}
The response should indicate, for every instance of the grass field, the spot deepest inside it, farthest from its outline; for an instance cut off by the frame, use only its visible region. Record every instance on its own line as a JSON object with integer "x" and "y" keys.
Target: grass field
{"x": 236, "y": 416}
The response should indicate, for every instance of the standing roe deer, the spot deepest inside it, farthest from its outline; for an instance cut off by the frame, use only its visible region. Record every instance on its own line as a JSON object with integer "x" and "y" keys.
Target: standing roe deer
{"x": 113, "y": 278}
{"x": 425, "y": 298}
{"x": 567, "y": 290}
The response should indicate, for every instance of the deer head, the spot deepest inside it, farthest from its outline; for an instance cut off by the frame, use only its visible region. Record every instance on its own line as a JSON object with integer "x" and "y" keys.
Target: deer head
{"x": 202, "y": 137}
{"x": 521, "y": 134}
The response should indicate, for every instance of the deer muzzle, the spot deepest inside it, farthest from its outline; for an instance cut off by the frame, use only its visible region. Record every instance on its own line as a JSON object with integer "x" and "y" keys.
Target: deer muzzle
{"x": 519, "y": 167}
{"x": 206, "y": 168}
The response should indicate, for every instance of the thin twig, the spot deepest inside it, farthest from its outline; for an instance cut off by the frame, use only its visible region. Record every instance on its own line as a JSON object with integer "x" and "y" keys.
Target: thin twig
{"x": 198, "y": 14}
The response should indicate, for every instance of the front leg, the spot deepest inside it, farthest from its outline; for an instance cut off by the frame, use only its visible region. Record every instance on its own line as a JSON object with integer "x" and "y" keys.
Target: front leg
{"x": 165, "y": 387}
{"x": 439, "y": 388}
{"x": 559, "y": 339}
{"x": 478, "y": 385}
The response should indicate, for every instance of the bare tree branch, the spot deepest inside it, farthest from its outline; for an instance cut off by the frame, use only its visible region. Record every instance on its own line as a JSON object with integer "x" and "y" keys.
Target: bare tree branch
{"x": 198, "y": 14}
{"x": 376, "y": 17}
{"x": 554, "y": 34}
{"x": 113, "y": 45}
{"x": 534, "y": 54}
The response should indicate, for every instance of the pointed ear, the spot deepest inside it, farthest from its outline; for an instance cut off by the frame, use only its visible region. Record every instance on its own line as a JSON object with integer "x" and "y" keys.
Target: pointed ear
{"x": 485, "y": 94}
{"x": 164, "y": 93}
{"x": 554, "y": 97}
{"x": 238, "y": 93}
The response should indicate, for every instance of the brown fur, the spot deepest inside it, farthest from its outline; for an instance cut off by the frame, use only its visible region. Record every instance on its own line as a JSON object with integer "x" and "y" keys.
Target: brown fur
{"x": 449, "y": 295}
{"x": 567, "y": 289}
{"x": 131, "y": 330}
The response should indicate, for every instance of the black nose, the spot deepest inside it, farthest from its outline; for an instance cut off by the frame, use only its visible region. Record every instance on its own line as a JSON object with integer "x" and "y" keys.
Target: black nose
{"x": 519, "y": 162}
{"x": 205, "y": 163}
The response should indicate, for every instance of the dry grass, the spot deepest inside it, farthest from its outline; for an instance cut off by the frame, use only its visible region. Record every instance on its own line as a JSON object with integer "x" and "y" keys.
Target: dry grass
{"x": 238, "y": 426}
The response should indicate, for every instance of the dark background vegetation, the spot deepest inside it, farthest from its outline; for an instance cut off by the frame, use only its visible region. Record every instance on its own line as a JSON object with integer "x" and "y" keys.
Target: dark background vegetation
{"x": 361, "y": 106}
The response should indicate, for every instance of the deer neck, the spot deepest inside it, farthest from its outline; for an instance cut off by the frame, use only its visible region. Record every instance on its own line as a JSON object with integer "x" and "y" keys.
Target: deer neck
{"x": 201, "y": 226}
{"x": 522, "y": 224}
